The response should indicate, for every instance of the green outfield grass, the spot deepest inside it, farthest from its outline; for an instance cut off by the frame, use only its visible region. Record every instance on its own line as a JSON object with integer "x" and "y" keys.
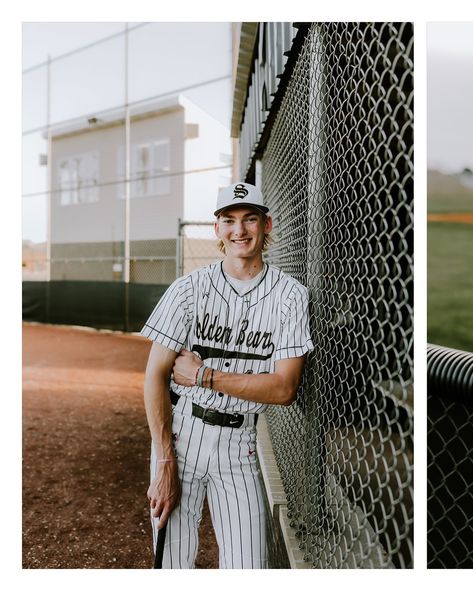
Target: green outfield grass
{"x": 450, "y": 284}
{"x": 460, "y": 201}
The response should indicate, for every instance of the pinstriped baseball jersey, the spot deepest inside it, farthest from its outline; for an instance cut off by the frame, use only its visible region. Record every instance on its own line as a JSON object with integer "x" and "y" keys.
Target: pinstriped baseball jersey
{"x": 247, "y": 333}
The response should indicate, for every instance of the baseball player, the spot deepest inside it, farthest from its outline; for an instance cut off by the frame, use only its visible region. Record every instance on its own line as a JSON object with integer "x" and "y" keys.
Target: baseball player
{"x": 228, "y": 340}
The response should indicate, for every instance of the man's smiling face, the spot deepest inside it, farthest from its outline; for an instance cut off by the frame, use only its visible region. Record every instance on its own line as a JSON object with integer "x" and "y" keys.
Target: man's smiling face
{"x": 242, "y": 231}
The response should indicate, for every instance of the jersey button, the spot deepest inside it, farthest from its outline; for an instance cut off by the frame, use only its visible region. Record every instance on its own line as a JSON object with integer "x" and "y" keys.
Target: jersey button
{"x": 227, "y": 364}
{"x": 220, "y": 393}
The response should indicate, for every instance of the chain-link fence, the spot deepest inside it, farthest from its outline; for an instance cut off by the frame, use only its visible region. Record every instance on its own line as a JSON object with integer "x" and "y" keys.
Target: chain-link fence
{"x": 107, "y": 176}
{"x": 197, "y": 246}
{"x": 337, "y": 173}
{"x": 151, "y": 262}
{"x": 93, "y": 274}
{"x": 450, "y": 458}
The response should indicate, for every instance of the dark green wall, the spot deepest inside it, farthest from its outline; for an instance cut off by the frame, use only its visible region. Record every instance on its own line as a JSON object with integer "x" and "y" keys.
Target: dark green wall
{"x": 106, "y": 304}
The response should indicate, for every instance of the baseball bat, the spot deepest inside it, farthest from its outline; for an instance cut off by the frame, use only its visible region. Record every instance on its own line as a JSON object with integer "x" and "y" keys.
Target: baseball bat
{"x": 158, "y": 556}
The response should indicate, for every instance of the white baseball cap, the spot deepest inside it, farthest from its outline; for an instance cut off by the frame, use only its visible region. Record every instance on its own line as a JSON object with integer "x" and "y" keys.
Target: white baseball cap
{"x": 241, "y": 194}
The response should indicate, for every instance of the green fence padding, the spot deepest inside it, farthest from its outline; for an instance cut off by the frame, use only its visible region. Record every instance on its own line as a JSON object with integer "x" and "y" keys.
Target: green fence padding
{"x": 105, "y": 304}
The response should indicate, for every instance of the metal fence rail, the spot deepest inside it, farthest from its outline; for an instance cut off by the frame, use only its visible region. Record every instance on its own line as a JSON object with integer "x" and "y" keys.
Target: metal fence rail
{"x": 338, "y": 176}
{"x": 197, "y": 246}
{"x": 450, "y": 458}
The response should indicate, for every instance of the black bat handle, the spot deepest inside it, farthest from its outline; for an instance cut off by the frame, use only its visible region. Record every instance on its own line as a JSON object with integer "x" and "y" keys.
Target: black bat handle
{"x": 158, "y": 557}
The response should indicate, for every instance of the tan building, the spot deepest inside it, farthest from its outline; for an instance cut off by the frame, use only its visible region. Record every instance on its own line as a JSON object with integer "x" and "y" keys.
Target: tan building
{"x": 88, "y": 205}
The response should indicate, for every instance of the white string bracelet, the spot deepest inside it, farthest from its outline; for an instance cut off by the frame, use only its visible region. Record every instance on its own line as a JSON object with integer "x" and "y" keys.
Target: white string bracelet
{"x": 161, "y": 461}
{"x": 196, "y": 374}
{"x": 200, "y": 376}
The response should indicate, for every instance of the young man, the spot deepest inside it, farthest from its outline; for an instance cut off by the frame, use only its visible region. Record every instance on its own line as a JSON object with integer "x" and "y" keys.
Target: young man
{"x": 229, "y": 339}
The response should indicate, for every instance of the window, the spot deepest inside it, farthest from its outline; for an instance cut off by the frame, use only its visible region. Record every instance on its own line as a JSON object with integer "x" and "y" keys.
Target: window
{"x": 162, "y": 168}
{"x": 150, "y": 167}
{"x": 77, "y": 179}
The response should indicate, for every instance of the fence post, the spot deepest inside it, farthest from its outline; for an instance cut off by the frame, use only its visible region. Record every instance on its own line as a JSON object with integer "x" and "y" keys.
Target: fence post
{"x": 179, "y": 254}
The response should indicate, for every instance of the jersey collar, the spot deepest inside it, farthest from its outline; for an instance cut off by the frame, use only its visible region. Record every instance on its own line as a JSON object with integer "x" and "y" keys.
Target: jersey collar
{"x": 265, "y": 272}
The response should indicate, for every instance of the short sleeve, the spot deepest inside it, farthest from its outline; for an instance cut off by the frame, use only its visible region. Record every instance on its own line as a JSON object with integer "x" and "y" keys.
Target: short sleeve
{"x": 295, "y": 339}
{"x": 170, "y": 321}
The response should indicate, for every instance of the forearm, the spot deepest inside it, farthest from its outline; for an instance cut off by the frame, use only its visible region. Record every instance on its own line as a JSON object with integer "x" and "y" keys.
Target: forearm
{"x": 159, "y": 415}
{"x": 164, "y": 489}
{"x": 268, "y": 388}
{"x": 279, "y": 387}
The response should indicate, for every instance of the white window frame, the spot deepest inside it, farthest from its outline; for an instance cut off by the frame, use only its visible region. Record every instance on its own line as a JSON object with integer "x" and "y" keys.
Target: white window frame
{"x": 162, "y": 185}
{"x": 145, "y": 180}
{"x": 77, "y": 181}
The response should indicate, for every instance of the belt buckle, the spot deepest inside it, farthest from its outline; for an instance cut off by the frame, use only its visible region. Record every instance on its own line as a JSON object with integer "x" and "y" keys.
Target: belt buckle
{"x": 212, "y": 414}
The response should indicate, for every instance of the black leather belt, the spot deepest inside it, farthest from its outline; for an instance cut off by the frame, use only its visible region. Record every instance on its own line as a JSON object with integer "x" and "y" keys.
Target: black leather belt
{"x": 213, "y": 417}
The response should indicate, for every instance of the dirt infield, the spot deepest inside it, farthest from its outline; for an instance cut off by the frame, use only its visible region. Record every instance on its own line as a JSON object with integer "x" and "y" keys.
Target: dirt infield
{"x": 457, "y": 218}
{"x": 86, "y": 452}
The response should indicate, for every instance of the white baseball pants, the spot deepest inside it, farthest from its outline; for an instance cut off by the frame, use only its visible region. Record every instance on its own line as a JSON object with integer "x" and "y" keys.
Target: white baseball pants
{"x": 219, "y": 461}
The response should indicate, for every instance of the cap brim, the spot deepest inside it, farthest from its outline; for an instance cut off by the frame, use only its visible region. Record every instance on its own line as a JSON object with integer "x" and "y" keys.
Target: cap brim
{"x": 262, "y": 208}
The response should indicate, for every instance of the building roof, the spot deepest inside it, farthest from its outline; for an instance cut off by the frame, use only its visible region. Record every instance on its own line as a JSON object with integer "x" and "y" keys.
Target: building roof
{"x": 116, "y": 116}
{"x": 248, "y": 35}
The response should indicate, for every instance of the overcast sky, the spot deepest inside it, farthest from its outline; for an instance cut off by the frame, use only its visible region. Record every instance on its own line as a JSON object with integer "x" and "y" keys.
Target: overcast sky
{"x": 198, "y": 53}
{"x": 450, "y": 96}
{"x": 163, "y": 57}
{"x": 88, "y": 76}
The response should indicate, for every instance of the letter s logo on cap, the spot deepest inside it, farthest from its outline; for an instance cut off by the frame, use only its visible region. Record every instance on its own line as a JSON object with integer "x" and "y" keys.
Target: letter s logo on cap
{"x": 240, "y": 191}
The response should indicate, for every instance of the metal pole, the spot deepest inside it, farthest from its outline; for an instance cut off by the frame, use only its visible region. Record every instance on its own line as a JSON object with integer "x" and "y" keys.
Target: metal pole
{"x": 127, "y": 188}
{"x": 127, "y": 167}
{"x": 49, "y": 196}
{"x": 178, "y": 249}
{"x": 49, "y": 169}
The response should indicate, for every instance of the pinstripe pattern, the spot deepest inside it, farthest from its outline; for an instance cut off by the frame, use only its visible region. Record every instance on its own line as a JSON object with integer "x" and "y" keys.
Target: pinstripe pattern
{"x": 220, "y": 461}
{"x": 243, "y": 333}
{"x": 239, "y": 333}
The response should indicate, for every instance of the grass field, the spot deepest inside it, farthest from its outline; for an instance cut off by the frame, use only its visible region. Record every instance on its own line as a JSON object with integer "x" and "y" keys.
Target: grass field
{"x": 449, "y": 264}
{"x": 450, "y": 285}
{"x": 447, "y": 194}
{"x": 461, "y": 200}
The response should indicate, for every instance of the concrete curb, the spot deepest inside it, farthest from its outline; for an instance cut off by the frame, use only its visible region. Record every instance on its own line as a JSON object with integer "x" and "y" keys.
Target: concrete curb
{"x": 276, "y": 496}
